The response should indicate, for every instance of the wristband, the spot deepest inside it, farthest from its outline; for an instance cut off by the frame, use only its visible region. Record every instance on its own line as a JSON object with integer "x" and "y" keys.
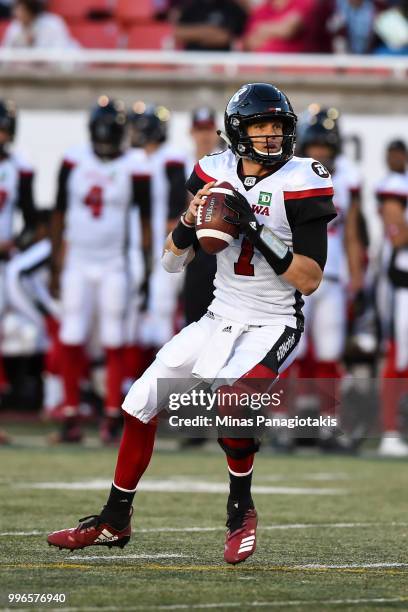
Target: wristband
{"x": 276, "y": 252}
{"x": 183, "y": 234}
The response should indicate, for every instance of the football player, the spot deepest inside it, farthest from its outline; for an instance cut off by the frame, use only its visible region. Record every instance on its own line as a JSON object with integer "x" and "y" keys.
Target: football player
{"x": 98, "y": 185}
{"x": 16, "y": 195}
{"x": 392, "y": 195}
{"x": 325, "y": 310}
{"x": 281, "y": 205}
{"x": 149, "y": 133}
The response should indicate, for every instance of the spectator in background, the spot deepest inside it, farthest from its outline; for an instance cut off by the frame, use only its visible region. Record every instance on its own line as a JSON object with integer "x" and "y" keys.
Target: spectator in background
{"x": 391, "y": 26}
{"x": 209, "y": 25}
{"x": 280, "y": 26}
{"x": 32, "y": 26}
{"x": 5, "y": 8}
{"x": 354, "y": 25}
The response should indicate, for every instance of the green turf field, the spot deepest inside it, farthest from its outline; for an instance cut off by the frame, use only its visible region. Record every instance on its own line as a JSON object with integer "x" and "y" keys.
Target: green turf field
{"x": 333, "y": 533}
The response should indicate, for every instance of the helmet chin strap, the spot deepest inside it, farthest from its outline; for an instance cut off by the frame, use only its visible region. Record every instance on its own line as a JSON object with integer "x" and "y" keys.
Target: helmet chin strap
{"x": 224, "y": 137}
{"x": 268, "y": 154}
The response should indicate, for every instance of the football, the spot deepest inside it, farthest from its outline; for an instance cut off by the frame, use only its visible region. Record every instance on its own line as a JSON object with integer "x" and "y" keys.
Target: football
{"x": 213, "y": 232}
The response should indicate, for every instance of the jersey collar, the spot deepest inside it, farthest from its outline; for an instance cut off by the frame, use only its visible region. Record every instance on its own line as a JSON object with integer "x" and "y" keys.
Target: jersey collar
{"x": 250, "y": 181}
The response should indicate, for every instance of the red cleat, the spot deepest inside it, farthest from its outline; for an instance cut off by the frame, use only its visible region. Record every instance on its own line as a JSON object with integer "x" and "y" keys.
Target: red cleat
{"x": 240, "y": 540}
{"x": 91, "y": 531}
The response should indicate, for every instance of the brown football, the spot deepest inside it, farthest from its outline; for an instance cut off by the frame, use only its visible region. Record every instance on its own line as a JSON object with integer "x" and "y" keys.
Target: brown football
{"x": 213, "y": 232}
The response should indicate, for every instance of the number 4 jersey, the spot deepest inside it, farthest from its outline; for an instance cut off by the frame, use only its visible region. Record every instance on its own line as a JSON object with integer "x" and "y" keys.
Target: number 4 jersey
{"x": 246, "y": 287}
{"x": 96, "y": 196}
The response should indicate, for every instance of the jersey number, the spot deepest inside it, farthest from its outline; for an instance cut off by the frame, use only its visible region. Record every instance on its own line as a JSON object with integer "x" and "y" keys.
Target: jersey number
{"x": 3, "y": 198}
{"x": 94, "y": 200}
{"x": 243, "y": 266}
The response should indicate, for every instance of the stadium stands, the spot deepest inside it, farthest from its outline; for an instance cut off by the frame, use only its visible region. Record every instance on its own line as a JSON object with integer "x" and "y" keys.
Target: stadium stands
{"x": 150, "y": 36}
{"x": 97, "y": 35}
{"x": 81, "y": 10}
{"x": 129, "y": 11}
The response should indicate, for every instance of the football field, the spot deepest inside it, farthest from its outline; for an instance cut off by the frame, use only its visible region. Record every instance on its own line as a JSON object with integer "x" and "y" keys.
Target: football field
{"x": 333, "y": 533}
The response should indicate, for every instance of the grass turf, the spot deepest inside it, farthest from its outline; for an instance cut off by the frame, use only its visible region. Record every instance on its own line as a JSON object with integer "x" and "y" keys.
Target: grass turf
{"x": 374, "y": 494}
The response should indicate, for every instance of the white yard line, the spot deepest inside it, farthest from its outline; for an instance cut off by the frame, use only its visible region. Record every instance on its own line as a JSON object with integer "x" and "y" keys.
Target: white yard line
{"x": 120, "y": 557}
{"x": 178, "y": 486}
{"x": 283, "y": 527}
{"x": 236, "y": 605}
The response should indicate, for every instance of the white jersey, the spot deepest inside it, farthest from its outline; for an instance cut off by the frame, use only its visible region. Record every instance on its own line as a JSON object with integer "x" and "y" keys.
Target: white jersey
{"x": 13, "y": 170}
{"x": 246, "y": 288}
{"x": 168, "y": 199}
{"x": 346, "y": 183}
{"x": 98, "y": 198}
{"x": 395, "y": 186}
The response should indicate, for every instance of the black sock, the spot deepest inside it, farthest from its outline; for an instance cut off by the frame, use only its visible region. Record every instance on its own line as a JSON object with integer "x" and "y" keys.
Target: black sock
{"x": 118, "y": 508}
{"x": 240, "y": 488}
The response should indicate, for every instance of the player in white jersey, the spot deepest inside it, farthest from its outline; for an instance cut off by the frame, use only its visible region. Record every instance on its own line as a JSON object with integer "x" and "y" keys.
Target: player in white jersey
{"x": 149, "y": 133}
{"x": 321, "y": 348}
{"x": 98, "y": 185}
{"x": 254, "y": 323}
{"x": 392, "y": 194}
{"x": 16, "y": 195}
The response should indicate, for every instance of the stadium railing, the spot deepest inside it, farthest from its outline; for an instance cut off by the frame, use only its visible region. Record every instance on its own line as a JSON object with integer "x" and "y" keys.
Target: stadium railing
{"x": 230, "y": 63}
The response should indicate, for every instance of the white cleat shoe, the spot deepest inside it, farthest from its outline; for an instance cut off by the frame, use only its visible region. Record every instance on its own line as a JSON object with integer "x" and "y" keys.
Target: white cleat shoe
{"x": 392, "y": 445}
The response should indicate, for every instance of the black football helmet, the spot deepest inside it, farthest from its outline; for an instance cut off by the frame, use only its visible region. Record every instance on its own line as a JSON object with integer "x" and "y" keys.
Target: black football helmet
{"x": 8, "y": 118}
{"x": 256, "y": 102}
{"x": 148, "y": 124}
{"x": 107, "y": 126}
{"x": 320, "y": 126}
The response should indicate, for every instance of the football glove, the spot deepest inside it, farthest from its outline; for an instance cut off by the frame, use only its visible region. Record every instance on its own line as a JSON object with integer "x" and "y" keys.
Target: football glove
{"x": 275, "y": 251}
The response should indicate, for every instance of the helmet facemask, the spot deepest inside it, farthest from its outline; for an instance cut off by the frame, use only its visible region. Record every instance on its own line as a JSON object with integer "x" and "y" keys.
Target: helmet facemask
{"x": 264, "y": 149}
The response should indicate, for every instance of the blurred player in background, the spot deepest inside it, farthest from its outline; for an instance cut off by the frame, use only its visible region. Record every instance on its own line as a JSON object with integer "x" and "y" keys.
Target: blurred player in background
{"x": 199, "y": 275}
{"x": 392, "y": 194}
{"x": 254, "y": 323}
{"x": 325, "y": 310}
{"x": 16, "y": 195}
{"x": 149, "y": 133}
{"x": 98, "y": 185}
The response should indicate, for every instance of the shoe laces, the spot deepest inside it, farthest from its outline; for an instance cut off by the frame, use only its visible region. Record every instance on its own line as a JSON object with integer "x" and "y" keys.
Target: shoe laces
{"x": 94, "y": 520}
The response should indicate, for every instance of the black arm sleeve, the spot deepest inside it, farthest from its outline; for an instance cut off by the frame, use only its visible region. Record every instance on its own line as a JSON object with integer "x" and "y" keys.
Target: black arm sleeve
{"x": 194, "y": 183}
{"x": 176, "y": 176}
{"x": 142, "y": 194}
{"x": 310, "y": 239}
{"x": 25, "y": 199}
{"x": 62, "y": 192}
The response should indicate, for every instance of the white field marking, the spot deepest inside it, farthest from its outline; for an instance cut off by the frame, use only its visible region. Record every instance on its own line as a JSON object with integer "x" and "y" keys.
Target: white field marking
{"x": 350, "y": 565}
{"x": 4, "y": 534}
{"x": 103, "y": 557}
{"x": 318, "y": 477}
{"x": 236, "y": 605}
{"x": 210, "y": 529}
{"x": 177, "y": 486}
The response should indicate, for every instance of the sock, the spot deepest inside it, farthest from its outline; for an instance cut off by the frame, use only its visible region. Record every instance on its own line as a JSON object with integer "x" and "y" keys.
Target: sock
{"x": 240, "y": 488}
{"x": 71, "y": 369}
{"x": 329, "y": 393}
{"x": 133, "y": 362}
{"x": 136, "y": 448}
{"x": 240, "y": 472}
{"x": 118, "y": 508}
{"x": 114, "y": 379}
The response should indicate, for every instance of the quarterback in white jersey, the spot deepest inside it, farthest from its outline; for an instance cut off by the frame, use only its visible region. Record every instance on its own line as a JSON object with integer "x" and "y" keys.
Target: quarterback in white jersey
{"x": 254, "y": 323}
{"x": 167, "y": 165}
{"x": 98, "y": 185}
{"x": 392, "y": 194}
